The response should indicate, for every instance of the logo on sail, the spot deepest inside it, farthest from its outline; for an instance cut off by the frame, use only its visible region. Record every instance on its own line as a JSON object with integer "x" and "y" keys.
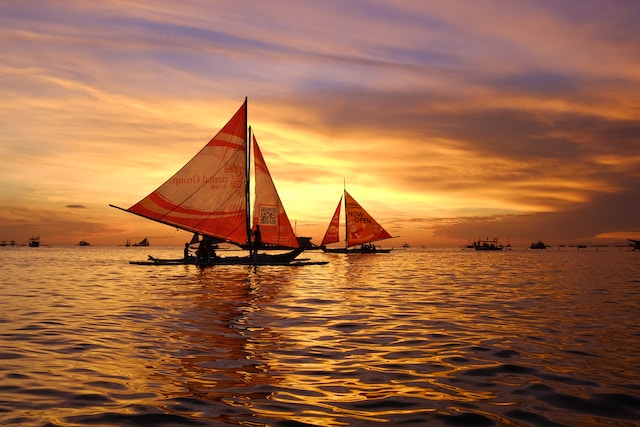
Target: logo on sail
{"x": 237, "y": 176}
{"x": 213, "y": 181}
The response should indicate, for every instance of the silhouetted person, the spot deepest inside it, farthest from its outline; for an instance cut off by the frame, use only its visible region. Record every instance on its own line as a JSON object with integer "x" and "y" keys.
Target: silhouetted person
{"x": 205, "y": 252}
{"x": 188, "y": 258}
{"x": 202, "y": 257}
{"x": 186, "y": 251}
{"x": 257, "y": 242}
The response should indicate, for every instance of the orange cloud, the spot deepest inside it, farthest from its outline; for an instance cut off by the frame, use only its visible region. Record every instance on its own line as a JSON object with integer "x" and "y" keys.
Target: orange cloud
{"x": 437, "y": 116}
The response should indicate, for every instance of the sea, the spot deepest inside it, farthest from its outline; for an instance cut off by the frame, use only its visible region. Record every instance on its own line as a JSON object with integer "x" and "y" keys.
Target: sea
{"x": 416, "y": 337}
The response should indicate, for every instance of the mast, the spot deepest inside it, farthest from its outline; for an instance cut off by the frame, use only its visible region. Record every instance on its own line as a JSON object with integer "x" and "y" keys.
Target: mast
{"x": 248, "y": 175}
{"x": 346, "y": 214}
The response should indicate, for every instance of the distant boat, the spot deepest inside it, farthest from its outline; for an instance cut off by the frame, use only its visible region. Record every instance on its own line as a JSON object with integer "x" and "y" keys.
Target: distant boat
{"x": 211, "y": 196}
{"x": 406, "y": 246}
{"x": 83, "y": 243}
{"x": 487, "y": 245}
{"x": 360, "y": 227}
{"x": 635, "y": 244}
{"x": 538, "y": 245}
{"x": 34, "y": 242}
{"x": 143, "y": 242}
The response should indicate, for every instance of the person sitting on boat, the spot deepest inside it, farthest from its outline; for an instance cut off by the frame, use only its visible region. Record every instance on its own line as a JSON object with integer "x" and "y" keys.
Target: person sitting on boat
{"x": 187, "y": 256}
{"x": 202, "y": 257}
{"x": 205, "y": 252}
{"x": 368, "y": 247}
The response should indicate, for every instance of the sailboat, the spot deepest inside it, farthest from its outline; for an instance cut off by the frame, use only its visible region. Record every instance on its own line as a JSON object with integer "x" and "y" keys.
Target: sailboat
{"x": 143, "y": 242}
{"x": 210, "y": 196}
{"x": 360, "y": 228}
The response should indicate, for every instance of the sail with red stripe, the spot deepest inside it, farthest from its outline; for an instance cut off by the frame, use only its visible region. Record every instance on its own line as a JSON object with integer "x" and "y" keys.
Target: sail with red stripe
{"x": 332, "y": 234}
{"x": 268, "y": 211}
{"x": 209, "y": 194}
{"x": 361, "y": 227}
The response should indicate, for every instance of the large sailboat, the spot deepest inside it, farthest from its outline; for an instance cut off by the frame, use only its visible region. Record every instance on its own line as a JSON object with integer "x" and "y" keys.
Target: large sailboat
{"x": 211, "y": 196}
{"x": 360, "y": 228}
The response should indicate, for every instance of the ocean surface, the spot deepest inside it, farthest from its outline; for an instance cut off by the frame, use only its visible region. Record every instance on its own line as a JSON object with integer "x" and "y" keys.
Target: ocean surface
{"x": 411, "y": 338}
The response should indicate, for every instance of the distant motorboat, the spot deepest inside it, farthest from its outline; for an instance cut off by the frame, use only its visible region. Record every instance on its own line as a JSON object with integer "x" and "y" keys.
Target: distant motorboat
{"x": 34, "y": 242}
{"x": 487, "y": 245}
{"x": 635, "y": 244}
{"x": 84, "y": 243}
{"x": 538, "y": 245}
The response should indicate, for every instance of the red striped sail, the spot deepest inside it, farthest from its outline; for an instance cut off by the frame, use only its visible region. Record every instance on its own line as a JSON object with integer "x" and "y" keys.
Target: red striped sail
{"x": 268, "y": 211}
{"x": 208, "y": 195}
{"x": 361, "y": 227}
{"x": 332, "y": 234}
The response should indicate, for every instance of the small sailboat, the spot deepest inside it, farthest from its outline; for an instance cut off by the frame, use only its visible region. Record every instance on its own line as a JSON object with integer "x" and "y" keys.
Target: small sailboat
{"x": 143, "y": 242}
{"x": 210, "y": 196}
{"x": 360, "y": 228}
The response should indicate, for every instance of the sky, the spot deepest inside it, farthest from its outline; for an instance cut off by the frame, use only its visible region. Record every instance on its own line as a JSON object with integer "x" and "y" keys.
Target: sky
{"x": 448, "y": 121}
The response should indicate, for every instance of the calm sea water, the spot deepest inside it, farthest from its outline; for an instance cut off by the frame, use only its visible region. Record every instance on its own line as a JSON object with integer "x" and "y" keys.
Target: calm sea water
{"x": 410, "y": 338}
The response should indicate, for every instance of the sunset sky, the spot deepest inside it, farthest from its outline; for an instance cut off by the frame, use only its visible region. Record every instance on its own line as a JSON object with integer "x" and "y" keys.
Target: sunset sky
{"x": 449, "y": 120}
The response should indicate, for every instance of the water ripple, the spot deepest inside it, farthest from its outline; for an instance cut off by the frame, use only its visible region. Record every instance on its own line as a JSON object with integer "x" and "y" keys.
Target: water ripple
{"x": 445, "y": 338}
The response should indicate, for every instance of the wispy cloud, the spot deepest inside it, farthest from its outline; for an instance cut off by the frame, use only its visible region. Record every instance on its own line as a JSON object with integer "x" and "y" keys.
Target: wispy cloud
{"x": 442, "y": 114}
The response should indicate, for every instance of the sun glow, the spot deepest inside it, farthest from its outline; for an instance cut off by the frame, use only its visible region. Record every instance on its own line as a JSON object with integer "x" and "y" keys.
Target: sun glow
{"x": 421, "y": 126}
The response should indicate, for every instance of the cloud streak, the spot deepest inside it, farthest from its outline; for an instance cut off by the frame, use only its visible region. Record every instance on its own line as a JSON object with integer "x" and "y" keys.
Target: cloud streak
{"x": 439, "y": 116}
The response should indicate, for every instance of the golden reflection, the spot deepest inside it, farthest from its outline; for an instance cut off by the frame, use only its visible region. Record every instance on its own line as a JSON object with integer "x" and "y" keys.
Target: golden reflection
{"x": 211, "y": 353}
{"x": 211, "y": 349}
{"x": 338, "y": 352}
{"x": 406, "y": 337}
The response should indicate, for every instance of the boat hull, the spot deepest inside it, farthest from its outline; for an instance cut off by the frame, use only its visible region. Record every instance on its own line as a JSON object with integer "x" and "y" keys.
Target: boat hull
{"x": 288, "y": 258}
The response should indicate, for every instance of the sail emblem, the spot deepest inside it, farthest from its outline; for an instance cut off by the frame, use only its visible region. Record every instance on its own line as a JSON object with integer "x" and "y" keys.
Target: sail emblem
{"x": 238, "y": 176}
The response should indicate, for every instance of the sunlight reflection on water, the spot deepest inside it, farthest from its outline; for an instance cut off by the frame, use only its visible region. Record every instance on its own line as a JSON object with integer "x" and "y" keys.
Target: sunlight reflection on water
{"x": 413, "y": 337}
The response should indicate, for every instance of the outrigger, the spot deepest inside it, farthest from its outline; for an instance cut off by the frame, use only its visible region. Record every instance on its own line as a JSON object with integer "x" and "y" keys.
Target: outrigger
{"x": 210, "y": 196}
